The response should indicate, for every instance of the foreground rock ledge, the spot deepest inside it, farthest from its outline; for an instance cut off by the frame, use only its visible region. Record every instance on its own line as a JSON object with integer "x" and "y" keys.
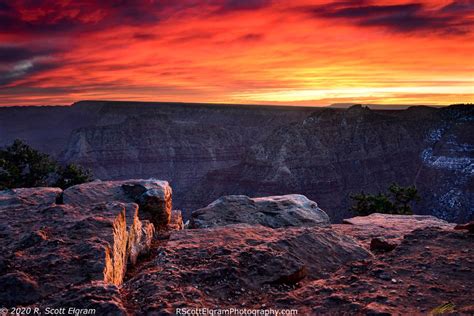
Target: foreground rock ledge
{"x": 79, "y": 240}
{"x": 75, "y": 254}
{"x": 291, "y": 210}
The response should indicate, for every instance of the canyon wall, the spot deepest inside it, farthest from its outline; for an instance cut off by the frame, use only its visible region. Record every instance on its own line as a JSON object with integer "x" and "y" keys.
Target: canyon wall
{"x": 207, "y": 151}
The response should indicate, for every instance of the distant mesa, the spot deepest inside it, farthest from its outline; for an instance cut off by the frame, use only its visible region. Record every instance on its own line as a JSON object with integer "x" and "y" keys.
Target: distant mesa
{"x": 378, "y": 106}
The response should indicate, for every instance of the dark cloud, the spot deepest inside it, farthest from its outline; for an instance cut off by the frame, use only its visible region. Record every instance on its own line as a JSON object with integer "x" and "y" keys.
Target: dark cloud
{"x": 20, "y": 61}
{"x": 251, "y": 37}
{"x": 409, "y": 17}
{"x": 24, "y": 69}
{"x": 57, "y": 17}
{"x": 461, "y": 6}
{"x": 239, "y": 5}
{"x": 373, "y": 11}
{"x": 144, "y": 36}
{"x": 187, "y": 37}
{"x": 4, "y": 6}
{"x": 13, "y": 53}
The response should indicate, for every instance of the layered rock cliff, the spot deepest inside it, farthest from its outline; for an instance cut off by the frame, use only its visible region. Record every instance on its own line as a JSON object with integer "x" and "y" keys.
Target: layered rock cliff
{"x": 332, "y": 154}
{"x": 207, "y": 151}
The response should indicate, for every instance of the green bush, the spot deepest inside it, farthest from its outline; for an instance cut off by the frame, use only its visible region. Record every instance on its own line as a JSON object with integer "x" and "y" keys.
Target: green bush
{"x": 396, "y": 201}
{"x": 24, "y": 167}
{"x": 71, "y": 175}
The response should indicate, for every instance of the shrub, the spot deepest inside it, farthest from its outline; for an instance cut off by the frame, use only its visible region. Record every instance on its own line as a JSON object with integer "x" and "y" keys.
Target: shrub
{"x": 396, "y": 201}
{"x": 23, "y": 167}
{"x": 71, "y": 175}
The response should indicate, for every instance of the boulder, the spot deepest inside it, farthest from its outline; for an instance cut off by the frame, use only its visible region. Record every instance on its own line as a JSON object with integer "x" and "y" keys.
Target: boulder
{"x": 209, "y": 267}
{"x": 152, "y": 196}
{"x": 399, "y": 222}
{"x": 274, "y": 211}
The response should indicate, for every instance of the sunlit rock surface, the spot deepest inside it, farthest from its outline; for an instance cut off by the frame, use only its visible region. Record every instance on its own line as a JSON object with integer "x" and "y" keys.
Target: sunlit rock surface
{"x": 430, "y": 268}
{"x": 24, "y": 197}
{"x": 317, "y": 271}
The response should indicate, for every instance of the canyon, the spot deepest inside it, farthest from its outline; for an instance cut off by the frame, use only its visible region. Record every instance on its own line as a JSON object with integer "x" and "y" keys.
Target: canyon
{"x": 207, "y": 151}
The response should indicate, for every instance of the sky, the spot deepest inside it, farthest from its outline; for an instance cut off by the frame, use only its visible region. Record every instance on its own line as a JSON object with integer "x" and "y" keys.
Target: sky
{"x": 295, "y": 52}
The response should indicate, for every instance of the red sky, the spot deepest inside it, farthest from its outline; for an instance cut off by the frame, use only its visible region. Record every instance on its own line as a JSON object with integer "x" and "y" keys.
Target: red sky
{"x": 237, "y": 51}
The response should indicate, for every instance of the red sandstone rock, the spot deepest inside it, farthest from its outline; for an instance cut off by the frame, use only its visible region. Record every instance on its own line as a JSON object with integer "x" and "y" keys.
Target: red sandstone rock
{"x": 176, "y": 220}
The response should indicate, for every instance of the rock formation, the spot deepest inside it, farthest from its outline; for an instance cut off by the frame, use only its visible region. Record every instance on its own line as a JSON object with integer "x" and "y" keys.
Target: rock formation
{"x": 468, "y": 226}
{"x": 272, "y": 211}
{"x": 57, "y": 245}
{"x": 209, "y": 151}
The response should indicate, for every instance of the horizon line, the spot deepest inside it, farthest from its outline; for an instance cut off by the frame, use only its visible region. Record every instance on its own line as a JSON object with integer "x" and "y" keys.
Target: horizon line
{"x": 334, "y": 105}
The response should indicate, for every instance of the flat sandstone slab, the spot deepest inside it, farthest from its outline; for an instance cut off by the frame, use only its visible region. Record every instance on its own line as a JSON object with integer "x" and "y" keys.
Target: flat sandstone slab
{"x": 387, "y": 226}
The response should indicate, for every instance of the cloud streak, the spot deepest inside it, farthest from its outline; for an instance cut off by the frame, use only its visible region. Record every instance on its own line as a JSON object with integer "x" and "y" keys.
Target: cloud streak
{"x": 454, "y": 18}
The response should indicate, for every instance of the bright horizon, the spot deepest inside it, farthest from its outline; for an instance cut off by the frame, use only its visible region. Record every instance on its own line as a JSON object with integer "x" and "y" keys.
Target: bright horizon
{"x": 238, "y": 51}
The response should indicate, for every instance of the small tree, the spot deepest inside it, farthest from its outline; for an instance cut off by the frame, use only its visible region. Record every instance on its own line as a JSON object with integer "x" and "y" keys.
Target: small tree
{"x": 71, "y": 175}
{"x": 362, "y": 206}
{"x": 23, "y": 167}
{"x": 403, "y": 197}
{"x": 397, "y": 201}
{"x": 366, "y": 204}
